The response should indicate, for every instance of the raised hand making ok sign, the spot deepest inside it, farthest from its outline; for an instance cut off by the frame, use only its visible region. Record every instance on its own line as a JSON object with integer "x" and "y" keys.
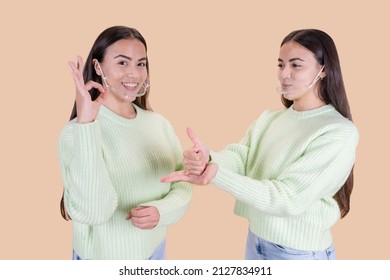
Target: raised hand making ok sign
{"x": 87, "y": 109}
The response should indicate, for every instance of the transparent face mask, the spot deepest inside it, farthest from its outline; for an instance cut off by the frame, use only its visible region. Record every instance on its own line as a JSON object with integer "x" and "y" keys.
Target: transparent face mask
{"x": 125, "y": 94}
{"x": 302, "y": 89}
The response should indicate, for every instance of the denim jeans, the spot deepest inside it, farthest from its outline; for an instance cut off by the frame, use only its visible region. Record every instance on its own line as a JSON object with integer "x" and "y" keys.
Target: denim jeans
{"x": 158, "y": 254}
{"x": 260, "y": 249}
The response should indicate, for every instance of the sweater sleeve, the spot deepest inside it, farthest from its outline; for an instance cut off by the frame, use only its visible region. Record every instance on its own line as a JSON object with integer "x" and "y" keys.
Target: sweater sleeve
{"x": 173, "y": 206}
{"x": 319, "y": 172}
{"x": 234, "y": 157}
{"x": 89, "y": 195}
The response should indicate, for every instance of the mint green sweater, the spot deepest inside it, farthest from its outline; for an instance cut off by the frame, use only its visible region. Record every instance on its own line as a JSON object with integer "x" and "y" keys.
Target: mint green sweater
{"x": 115, "y": 164}
{"x": 285, "y": 171}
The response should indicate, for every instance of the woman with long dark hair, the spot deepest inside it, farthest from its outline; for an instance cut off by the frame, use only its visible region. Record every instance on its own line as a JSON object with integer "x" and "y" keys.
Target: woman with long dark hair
{"x": 292, "y": 174}
{"x": 114, "y": 151}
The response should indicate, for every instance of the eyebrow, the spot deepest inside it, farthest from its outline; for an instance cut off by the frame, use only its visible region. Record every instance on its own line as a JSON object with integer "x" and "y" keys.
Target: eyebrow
{"x": 291, "y": 60}
{"x": 128, "y": 58}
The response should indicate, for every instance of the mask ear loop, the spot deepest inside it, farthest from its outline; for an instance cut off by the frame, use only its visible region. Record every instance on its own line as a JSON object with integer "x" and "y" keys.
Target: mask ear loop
{"x": 145, "y": 87}
{"x": 317, "y": 77}
{"x": 104, "y": 77}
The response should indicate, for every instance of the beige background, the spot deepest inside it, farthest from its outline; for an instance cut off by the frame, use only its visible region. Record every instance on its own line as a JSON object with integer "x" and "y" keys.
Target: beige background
{"x": 213, "y": 68}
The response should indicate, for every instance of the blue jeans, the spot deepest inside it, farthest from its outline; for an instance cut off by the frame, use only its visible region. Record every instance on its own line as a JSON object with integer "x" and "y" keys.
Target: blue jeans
{"x": 158, "y": 254}
{"x": 260, "y": 249}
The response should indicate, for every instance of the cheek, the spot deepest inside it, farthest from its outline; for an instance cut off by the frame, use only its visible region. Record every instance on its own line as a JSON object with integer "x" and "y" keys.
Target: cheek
{"x": 300, "y": 78}
{"x": 114, "y": 73}
{"x": 279, "y": 74}
{"x": 304, "y": 75}
{"x": 144, "y": 74}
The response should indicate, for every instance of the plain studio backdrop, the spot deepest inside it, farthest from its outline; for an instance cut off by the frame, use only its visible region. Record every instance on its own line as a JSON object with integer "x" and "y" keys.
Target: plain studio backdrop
{"x": 213, "y": 68}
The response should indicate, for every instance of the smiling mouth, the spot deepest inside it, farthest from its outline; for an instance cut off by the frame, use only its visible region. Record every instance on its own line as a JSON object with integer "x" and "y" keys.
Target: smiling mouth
{"x": 130, "y": 86}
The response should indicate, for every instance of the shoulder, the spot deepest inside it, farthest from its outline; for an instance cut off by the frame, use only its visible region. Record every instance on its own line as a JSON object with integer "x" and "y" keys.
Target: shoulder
{"x": 155, "y": 119}
{"x": 268, "y": 116}
{"x": 65, "y": 140}
{"x": 333, "y": 130}
{"x": 339, "y": 126}
{"x": 153, "y": 116}
{"x": 67, "y": 130}
{"x": 273, "y": 113}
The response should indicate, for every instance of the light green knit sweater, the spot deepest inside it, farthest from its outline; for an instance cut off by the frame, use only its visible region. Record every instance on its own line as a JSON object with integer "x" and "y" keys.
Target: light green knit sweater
{"x": 285, "y": 172}
{"x": 112, "y": 165}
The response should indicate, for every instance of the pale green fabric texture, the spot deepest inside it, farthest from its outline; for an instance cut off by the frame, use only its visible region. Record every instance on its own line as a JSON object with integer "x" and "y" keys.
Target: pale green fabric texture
{"x": 115, "y": 164}
{"x": 285, "y": 172}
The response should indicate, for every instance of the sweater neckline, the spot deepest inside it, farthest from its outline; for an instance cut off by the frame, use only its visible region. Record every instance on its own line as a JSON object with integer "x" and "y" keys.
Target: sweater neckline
{"x": 106, "y": 112}
{"x": 310, "y": 113}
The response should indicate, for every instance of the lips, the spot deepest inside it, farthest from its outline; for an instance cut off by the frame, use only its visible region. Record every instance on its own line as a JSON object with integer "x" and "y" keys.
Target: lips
{"x": 130, "y": 86}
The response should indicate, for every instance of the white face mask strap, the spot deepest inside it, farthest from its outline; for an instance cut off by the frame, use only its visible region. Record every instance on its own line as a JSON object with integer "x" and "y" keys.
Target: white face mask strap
{"x": 103, "y": 76}
{"x": 317, "y": 77}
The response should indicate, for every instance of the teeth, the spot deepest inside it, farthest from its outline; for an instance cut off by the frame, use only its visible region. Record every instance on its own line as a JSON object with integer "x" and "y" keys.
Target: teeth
{"x": 131, "y": 85}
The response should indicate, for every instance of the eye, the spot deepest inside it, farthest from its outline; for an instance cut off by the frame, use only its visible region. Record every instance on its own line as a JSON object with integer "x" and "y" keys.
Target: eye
{"x": 122, "y": 62}
{"x": 294, "y": 65}
{"x": 280, "y": 65}
{"x": 142, "y": 64}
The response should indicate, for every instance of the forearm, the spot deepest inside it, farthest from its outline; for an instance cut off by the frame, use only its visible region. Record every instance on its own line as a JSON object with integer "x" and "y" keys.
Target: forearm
{"x": 295, "y": 189}
{"x": 267, "y": 196}
{"x": 232, "y": 158}
{"x": 89, "y": 195}
{"x": 173, "y": 206}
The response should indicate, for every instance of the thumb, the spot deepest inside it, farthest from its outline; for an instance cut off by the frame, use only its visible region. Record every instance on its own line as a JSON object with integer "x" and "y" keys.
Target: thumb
{"x": 209, "y": 173}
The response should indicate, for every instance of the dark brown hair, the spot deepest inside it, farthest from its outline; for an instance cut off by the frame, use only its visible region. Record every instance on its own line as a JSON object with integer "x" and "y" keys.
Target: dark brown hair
{"x": 331, "y": 89}
{"x": 98, "y": 51}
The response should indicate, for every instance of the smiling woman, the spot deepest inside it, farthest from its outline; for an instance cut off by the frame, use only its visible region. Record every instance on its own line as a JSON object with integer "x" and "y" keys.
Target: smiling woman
{"x": 113, "y": 152}
{"x": 131, "y": 69}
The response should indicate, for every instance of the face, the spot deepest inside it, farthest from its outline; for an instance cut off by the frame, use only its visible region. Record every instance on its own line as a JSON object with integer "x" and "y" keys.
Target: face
{"x": 124, "y": 66}
{"x": 297, "y": 69}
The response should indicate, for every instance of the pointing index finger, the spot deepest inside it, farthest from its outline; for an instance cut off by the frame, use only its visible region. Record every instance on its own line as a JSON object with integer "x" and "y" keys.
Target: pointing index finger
{"x": 194, "y": 139}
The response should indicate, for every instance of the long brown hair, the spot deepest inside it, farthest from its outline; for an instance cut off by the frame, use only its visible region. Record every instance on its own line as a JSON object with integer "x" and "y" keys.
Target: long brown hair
{"x": 331, "y": 89}
{"x": 98, "y": 50}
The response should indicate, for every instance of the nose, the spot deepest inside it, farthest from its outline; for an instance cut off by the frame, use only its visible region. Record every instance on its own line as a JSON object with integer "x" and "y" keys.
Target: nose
{"x": 132, "y": 72}
{"x": 286, "y": 73}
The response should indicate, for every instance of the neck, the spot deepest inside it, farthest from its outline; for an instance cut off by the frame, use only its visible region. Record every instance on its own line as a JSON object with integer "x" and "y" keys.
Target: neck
{"x": 308, "y": 102}
{"x": 306, "y": 107}
{"x": 121, "y": 108}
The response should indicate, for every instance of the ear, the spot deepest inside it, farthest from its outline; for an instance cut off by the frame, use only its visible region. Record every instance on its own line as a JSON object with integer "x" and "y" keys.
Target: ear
{"x": 323, "y": 73}
{"x": 96, "y": 65}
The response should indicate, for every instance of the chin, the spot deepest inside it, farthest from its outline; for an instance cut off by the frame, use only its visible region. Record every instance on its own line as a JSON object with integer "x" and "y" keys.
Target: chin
{"x": 130, "y": 99}
{"x": 120, "y": 98}
{"x": 289, "y": 97}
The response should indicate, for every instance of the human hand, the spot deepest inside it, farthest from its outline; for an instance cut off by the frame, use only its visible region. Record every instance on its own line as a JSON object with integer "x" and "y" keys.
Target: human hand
{"x": 183, "y": 175}
{"x": 87, "y": 109}
{"x": 196, "y": 157}
{"x": 144, "y": 217}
